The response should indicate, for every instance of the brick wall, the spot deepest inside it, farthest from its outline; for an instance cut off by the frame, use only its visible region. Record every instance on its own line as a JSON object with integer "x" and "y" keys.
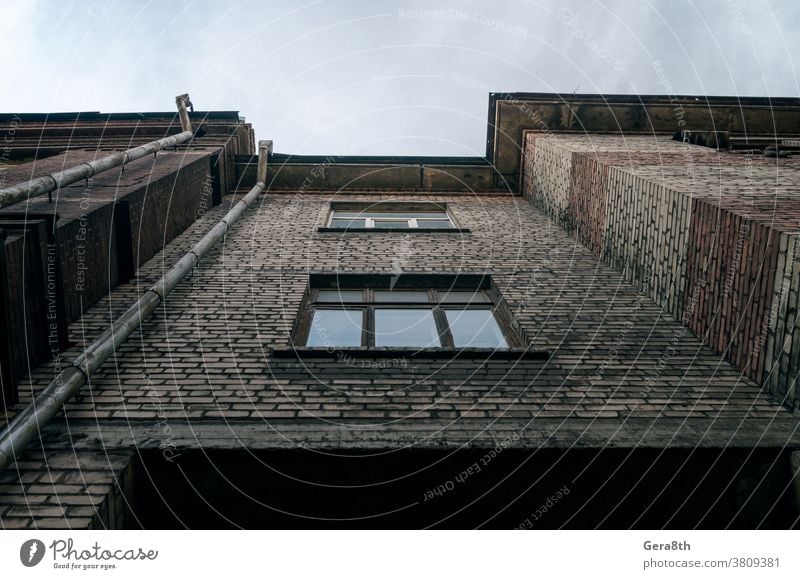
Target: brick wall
{"x": 58, "y": 490}
{"x": 104, "y": 229}
{"x": 200, "y": 373}
{"x": 31, "y": 313}
{"x": 712, "y": 237}
{"x": 34, "y": 135}
{"x": 156, "y": 197}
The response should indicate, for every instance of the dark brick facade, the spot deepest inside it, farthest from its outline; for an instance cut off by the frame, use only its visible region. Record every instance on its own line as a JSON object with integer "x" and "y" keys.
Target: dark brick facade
{"x": 200, "y": 372}
{"x": 103, "y": 230}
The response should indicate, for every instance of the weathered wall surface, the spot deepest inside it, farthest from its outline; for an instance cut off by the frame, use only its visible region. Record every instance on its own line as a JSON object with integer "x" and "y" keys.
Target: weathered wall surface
{"x": 24, "y": 322}
{"x": 200, "y": 372}
{"x": 104, "y": 229}
{"x": 155, "y": 198}
{"x": 38, "y": 135}
{"x": 711, "y": 237}
{"x": 315, "y": 174}
{"x": 62, "y": 490}
{"x": 746, "y": 120}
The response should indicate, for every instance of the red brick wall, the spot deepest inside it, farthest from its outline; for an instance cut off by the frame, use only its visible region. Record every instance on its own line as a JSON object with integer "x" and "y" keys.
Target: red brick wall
{"x": 700, "y": 231}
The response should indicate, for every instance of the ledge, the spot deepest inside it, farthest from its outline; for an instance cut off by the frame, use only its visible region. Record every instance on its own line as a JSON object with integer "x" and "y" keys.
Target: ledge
{"x": 564, "y": 432}
{"x": 392, "y": 229}
{"x": 476, "y": 354}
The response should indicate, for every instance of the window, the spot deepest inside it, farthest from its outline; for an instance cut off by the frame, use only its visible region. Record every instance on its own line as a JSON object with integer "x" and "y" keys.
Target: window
{"x": 388, "y": 215}
{"x": 406, "y": 311}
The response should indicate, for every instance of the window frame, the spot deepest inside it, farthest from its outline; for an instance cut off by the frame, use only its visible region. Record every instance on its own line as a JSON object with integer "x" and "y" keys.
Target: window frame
{"x": 435, "y": 303}
{"x": 391, "y": 207}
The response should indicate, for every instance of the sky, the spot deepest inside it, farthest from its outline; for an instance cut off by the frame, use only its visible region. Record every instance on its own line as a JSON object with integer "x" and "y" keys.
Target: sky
{"x": 384, "y": 77}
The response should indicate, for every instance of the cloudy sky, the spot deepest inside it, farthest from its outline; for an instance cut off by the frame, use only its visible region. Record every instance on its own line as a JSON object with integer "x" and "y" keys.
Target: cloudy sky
{"x": 384, "y": 77}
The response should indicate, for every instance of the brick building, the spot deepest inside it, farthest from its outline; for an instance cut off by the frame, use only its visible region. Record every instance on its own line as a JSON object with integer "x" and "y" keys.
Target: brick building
{"x": 593, "y": 326}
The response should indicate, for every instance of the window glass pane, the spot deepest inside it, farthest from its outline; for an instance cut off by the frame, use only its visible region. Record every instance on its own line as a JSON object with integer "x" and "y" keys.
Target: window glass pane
{"x": 434, "y": 223}
{"x": 410, "y": 214}
{"x": 461, "y": 297}
{"x": 339, "y": 296}
{"x": 393, "y": 214}
{"x": 385, "y": 223}
{"x": 349, "y": 223}
{"x": 405, "y": 327}
{"x": 400, "y": 296}
{"x": 475, "y": 329}
{"x": 390, "y": 214}
{"x": 429, "y": 215}
{"x": 332, "y": 328}
{"x": 342, "y": 214}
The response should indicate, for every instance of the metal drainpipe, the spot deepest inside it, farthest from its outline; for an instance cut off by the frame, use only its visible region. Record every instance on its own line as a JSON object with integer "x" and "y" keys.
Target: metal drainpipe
{"x": 29, "y": 422}
{"x": 48, "y": 183}
{"x": 182, "y": 101}
{"x": 264, "y": 150}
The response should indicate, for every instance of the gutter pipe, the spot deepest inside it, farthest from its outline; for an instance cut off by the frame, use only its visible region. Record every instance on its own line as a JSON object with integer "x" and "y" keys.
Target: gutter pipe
{"x": 33, "y": 418}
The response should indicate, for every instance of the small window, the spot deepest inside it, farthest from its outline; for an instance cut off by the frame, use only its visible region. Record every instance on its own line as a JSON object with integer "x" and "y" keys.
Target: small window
{"x": 402, "y": 317}
{"x": 389, "y": 215}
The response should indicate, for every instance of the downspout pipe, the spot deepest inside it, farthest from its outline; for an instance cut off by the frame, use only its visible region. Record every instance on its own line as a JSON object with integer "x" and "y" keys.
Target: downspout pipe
{"x": 33, "y": 418}
{"x": 49, "y": 183}
{"x": 264, "y": 151}
{"x": 182, "y": 101}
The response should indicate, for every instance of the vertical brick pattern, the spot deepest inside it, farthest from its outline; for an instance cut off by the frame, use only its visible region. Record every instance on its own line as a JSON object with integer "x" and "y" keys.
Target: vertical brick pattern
{"x": 591, "y": 199}
{"x": 783, "y": 342}
{"x": 732, "y": 262}
{"x": 709, "y": 236}
{"x": 26, "y": 254}
{"x": 550, "y": 177}
{"x": 165, "y": 206}
{"x": 646, "y": 235}
{"x": 89, "y": 264}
